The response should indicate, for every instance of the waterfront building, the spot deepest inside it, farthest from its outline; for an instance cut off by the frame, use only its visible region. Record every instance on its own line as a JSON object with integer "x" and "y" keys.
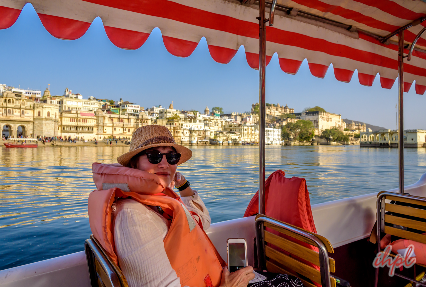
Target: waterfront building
{"x": 75, "y": 102}
{"x": 167, "y": 113}
{"x": 155, "y": 111}
{"x": 356, "y": 127}
{"x": 111, "y": 125}
{"x": 322, "y": 120}
{"x": 273, "y": 136}
{"x": 273, "y": 110}
{"x": 389, "y": 138}
{"x": 77, "y": 124}
{"x": 34, "y": 94}
{"x": 247, "y": 133}
{"x": 16, "y": 115}
{"x": 2, "y": 88}
{"x": 20, "y": 115}
{"x": 127, "y": 108}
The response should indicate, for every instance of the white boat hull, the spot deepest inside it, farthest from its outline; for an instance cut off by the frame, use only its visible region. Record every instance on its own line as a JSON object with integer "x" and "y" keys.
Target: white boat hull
{"x": 341, "y": 222}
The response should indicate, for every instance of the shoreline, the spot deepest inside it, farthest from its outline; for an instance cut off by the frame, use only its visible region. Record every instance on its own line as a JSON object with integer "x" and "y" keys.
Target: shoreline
{"x": 78, "y": 143}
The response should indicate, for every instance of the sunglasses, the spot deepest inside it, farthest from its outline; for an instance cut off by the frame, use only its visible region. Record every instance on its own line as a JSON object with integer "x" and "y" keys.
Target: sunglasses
{"x": 155, "y": 157}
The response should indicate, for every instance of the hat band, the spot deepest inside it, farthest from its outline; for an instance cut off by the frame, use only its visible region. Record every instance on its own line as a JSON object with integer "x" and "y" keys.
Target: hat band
{"x": 156, "y": 140}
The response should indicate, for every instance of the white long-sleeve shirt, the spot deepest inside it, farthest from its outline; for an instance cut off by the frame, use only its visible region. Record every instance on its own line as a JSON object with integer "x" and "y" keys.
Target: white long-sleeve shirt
{"x": 139, "y": 232}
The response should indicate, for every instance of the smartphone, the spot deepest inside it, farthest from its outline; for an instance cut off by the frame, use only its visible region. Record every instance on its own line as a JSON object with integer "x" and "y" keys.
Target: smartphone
{"x": 237, "y": 254}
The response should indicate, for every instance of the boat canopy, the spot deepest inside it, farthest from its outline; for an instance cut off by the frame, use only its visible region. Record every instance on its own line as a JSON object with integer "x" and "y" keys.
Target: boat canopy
{"x": 350, "y": 34}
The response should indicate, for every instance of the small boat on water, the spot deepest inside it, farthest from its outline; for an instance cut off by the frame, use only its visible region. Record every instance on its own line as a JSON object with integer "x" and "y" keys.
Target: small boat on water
{"x": 21, "y": 143}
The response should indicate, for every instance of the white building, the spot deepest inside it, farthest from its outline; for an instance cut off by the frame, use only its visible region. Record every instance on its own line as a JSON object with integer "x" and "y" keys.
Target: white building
{"x": 155, "y": 111}
{"x": 68, "y": 93}
{"x": 130, "y": 109}
{"x": 323, "y": 120}
{"x": 272, "y": 136}
{"x": 27, "y": 93}
{"x": 2, "y": 88}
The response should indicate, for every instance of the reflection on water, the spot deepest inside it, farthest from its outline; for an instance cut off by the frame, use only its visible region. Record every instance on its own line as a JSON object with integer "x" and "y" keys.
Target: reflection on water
{"x": 43, "y": 191}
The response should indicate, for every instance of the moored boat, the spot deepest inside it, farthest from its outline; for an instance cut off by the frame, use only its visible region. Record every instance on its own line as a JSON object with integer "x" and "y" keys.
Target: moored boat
{"x": 21, "y": 143}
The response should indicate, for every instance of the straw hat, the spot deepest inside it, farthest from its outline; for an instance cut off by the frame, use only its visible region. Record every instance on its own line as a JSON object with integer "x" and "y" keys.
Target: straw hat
{"x": 152, "y": 136}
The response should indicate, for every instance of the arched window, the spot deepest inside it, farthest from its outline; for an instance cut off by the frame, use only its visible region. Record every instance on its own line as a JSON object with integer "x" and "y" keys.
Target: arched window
{"x": 9, "y": 101}
{"x": 38, "y": 113}
{"x": 48, "y": 114}
{"x": 23, "y": 112}
{"x": 9, "y": 111}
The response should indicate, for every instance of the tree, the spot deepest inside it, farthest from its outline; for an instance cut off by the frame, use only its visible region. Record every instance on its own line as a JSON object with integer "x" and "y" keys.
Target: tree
{"x": 334, "y": 135}
{"x": 174, "y": 117}
{"x": 346, "y": 129}
{"x": 256, "y": 109}
{"x": 315, "y": 109}
{"x": 218, "y": 110}
{"x": 301, "y": 130}
{"x": 357, "y": 136}
{"x": 285, "y": 116}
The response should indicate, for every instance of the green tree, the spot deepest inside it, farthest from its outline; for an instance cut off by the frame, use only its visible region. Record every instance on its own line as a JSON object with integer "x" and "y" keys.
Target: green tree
{"x": 301, "y": 130}
{"x": 346, "y": 129}
{"x": 357, "y": 136}
{"x": 256, "y": 109}
{"x": 174, "y": 117}
{"x": 314, "y": 109}
{"x": 334, "y": 135}
{"x": 285, "y": 116}
{"x": 218, "y": 110}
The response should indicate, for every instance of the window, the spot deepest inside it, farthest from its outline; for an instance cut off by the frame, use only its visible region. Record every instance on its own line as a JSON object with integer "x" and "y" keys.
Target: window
{"x": 38, "y": 113}
{"x": 23, "y": 112}
{"x": 114, "y": 128}
{"x": 9, "y": 111}
{"x": 48, "y": 114}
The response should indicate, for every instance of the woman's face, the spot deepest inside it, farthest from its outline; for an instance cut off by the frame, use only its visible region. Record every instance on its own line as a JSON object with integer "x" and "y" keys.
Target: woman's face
{"x": 164, "y": 170}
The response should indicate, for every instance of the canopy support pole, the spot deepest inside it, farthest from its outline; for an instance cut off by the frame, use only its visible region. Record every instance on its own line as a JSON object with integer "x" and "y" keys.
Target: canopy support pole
{"x": 401, "y": 111}
{"x": 262, "y": 64}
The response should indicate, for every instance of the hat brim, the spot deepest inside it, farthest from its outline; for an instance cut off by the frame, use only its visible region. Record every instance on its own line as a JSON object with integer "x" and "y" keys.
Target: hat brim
{"x": 185, "y": 153}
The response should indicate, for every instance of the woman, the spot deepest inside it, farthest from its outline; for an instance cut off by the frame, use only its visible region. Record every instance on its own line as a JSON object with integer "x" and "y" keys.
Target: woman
{"x": 140, "y": 230}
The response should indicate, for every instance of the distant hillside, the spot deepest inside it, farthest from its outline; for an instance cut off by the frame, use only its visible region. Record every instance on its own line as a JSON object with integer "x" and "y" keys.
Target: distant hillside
{"x": 373, "y": 128}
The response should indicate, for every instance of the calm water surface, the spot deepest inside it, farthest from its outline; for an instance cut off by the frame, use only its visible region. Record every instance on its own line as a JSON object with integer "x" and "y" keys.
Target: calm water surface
{"x": 44, "y": 191}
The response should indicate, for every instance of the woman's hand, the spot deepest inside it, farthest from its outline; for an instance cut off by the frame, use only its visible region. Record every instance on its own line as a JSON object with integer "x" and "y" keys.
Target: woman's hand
{"x": 179, "y": 180}
{"x": 239, "y": 278}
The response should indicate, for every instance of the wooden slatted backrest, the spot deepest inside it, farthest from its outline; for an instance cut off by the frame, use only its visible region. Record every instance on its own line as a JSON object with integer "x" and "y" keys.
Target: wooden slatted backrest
{"x": 286, "y": 254}
{"x": 103, "y": 271}
{"x": 406, "y": 212}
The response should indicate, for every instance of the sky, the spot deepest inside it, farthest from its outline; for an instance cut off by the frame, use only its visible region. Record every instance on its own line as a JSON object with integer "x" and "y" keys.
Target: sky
{"x": 92, "y": 66}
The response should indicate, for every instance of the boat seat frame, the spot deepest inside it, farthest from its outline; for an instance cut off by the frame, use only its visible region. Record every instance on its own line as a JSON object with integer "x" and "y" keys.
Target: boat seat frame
{"x": 274, "y": 260}
{"x": 103, "y": 271}
{"x": 398, "y": 217}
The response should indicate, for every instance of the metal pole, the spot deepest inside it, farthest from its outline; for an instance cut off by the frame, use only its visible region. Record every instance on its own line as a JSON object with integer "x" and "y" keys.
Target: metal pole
{"x": 401, "y": 111}
{"x": 262, "y": 64}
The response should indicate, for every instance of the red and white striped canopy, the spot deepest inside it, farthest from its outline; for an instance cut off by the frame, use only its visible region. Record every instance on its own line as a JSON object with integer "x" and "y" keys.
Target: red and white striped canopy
{"x": 228, "y": 24}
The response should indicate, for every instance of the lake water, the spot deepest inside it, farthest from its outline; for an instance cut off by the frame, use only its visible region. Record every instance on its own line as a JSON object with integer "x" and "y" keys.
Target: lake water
{"x": 44, "y": 191}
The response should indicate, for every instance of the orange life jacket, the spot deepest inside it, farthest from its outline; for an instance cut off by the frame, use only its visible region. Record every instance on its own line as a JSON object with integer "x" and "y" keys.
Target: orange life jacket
{"x": 191, "y": 253}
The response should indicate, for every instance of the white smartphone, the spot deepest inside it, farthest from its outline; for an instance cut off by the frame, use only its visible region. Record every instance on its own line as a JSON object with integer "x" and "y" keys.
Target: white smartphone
{"x": 237, "y": 254}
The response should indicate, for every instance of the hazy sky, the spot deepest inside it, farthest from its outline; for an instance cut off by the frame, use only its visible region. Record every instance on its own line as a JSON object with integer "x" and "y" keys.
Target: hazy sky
{"x": 93, "y": 66}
